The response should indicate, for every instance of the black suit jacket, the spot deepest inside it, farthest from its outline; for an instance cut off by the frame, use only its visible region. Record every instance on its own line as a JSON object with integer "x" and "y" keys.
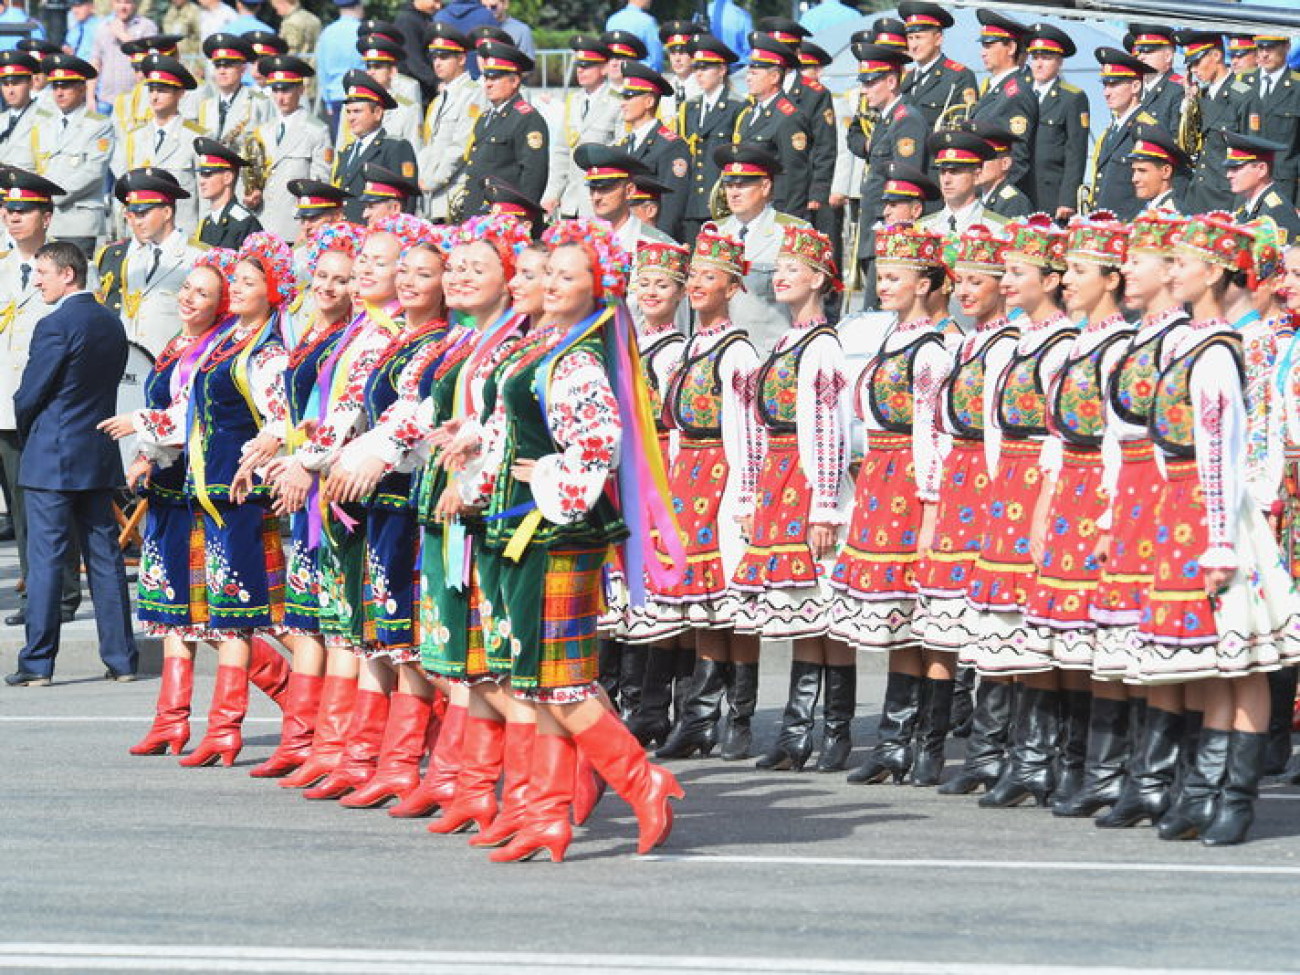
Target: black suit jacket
{"x": 781, "y": 123}
{"x": 815, "y": 103}
{"x": 78, "y": 354}
{"x": 1060, "y": 147}
{"x": 1164, "y": 101}
{"x": 1011, "y": 104}
{"x": 945, "y": 84}
{"x": 718, "y": 128}
{"x": 511, "y": 144}
{"x": 395, "y": 155}
{"x": 1114, "y": 179}
{"x": 670, "y": 159}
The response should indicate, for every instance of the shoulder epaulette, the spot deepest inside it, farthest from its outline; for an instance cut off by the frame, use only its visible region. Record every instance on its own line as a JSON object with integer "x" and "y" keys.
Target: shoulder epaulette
{"x": 1146, "y": 118}
{"x": 1272, "y": 200}
{"x": 667, "y": 134}
{"x": 952, "y": 65}
{"x": 788, "y": 220}
{"x": 96, "y": 117}
{"x": 115, "y": 247}
{"x": 522, "y": 107}
{"x": 1241, "y": 87}
{"x": 814, "y": 84}
{"x": 1072, "y": 89}
{"x": 1008, "y": 192}
{"x": 785, "y": 106}
{"x": 194, "y": 126}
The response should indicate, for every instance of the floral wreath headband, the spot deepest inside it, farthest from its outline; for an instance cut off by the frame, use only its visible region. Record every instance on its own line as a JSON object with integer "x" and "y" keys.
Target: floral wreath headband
{"x": 223, "y": 261}
{"x": 813, "y": 248}
{"x": 1099, "y": 238}
{"x": 343, "y": 237}
{"x": 610, "y": 263}
{"x": 504, "y": 233}
{"x": 670, "y": 259}
{"x": 275, "y": 259}
{"x": 412, "y": 232}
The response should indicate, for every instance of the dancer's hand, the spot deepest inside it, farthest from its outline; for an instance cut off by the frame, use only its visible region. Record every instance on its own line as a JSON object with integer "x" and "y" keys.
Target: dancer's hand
{"x": 357, "y": 484}
{"x": 118, "y": 426}
{"x": 139, "y": 473}
{"x": 1217, "y": 582}
{"x": 821, "y": 539}
{"x": 522, "y": 470}
{"x": 292, "y": 483}
{"x": 929, "y": 524}
{"x": 1101, "y": 551}
{"x": 746, "y": 523}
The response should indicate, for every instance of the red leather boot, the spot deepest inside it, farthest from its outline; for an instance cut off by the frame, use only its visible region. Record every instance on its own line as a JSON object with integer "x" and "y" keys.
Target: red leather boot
{"x": 546, "y": 819}
{"x": 518, "y": 760}
{"x": 268, "y": 670}
{"x": 361, "y": 754}
{"x": 398, "y": 772}
{"x": 301, "y": 704}
{"x": 225, "y": 719}
{"x": 588, "y": 790}
{"x": 475, "y": 802}
{"x": 338, "y": 694}
{"x": 619, "y": 758}
{"x": 171, "y": 722}
{"x": 438, "y": 787}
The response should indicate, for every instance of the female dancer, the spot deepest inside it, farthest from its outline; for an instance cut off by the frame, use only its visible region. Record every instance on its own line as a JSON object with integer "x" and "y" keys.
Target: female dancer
{"x": 875, "y": 575}
{"x": 803, "y": 431}
{"x": 1072, "y": 501}
{"x": 709, "y": 403}
{"x": 1003, "y": 575}
{"x": 317, "y": 701}
{"x": 1221, "y": 610}
{"x": 949, "y": 548}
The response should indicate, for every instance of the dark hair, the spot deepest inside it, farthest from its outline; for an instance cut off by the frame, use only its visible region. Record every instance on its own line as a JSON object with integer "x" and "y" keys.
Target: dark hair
{"x": 935, "y": 276}
{"x": 64, "y": 255}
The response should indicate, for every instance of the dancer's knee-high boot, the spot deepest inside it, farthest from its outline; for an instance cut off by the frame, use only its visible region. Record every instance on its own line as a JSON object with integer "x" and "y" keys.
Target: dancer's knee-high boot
{"x": 301, "y": 704}
{"x": 224, "y": 738}
{"x": 647, "y": 788}
{"x": 742, "y": 701}
{"x": 438, "y": 787}
{"x": 1281, "y": 693}
{"x": 837, "y": 718}
{"x": 268, "y": 670}
{"x": 1145, "y": 793}
{"x": 1029, "y": 773}
{"x": 1193, "y": 811}
{"x": 649, "y": 721}
{"x": 794, "y": 743}
{"x": 550, "y": 793}
{"x": 338, "y": 694}
{"x": 398, "y": 770}
{"x": 1236, "y": 810}
{"x": 1072, "y": 746}
{"x": 892, "y": 754}
{"x": 932, "y": 732}
{"x": 1108, "y": 756}
{"x": 963, "y": 702}
{"x": 475, "y": 802}
{"x": 990, "y": 736}
{"x": 361, "y": 753}
{"x": 517, "y": 762}
{"x": 171, "y": 723}
{"x": 697, "y": 725}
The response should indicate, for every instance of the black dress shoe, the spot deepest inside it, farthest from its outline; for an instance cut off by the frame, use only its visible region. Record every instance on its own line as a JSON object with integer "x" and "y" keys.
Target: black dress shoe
{"x": 16, "y": 619}
{"x": 24, "y": 678}
{"x": 119, "y": 678}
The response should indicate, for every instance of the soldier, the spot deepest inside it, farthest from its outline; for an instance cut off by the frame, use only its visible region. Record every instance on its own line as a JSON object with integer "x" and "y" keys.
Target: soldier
{"x": 1277, "y": 104}
{"x": 511, "y": 139}
{"x": 1156, "y": 160}
{"x": 1008, "y": 98}
{"x": 228, "y": 221}
{"x": 507, "y": 201}
{"x": 646, "y": 199}
{"x": 381, "y": 57}
{"x": 1162, "y": 93}
{"x": 1061, "y": 136}
{"x": 140, "y": 278}
{"x": 1121, "y": 89}
{"x": 958, "y": 157}
{"x": 228, "y": 109}
{"x": 70, "y": 145}
{"x": 40, "y": 50}
{"x": 386, "y": 194}
{"x": 1242, "y": 54}
{"x": 935, "y": 84}
{"x": 398, "y": 83}
{"x": 706, "y": 122}
{"x": 998, "y": 194}
{"x": 749, "y": 174}
{"x": 624, "y": 46}
{"x": 905, "y": 193}
{"x": 592, "y": 113}
{"x": 364, "y": 104}
{"x": 318, "y": 204}
{"x": 449, "y": 121}
{"x": 609, "y": 175}
{"x": 771, "y": 117}
{"x": 165, "y": 140}
{"x": 654, "y": 143}
{"x": 294, "y": 144}
{"x": 264, "y": 46}
{"x": 1225, "y": 106}
{"x": 131, "y": 108}
{"x": 678, "y": 36}
{"x": 16, "y": 72}
{"x": 1250, "y": 174}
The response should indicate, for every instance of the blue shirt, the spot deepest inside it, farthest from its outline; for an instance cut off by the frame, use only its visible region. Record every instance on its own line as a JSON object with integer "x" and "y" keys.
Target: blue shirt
{"x": 13, "y": 15}
{"x": 246, "y": 24}
{"x": 522, "y": 34}
{"x": 731, "y": 25}
{"x": 80, "y": 35}
{"x": 636, "y": 21}
{"x": 826, "y": 15}
{"x": 336, "y": 55}
{"x": 465, "y": 15}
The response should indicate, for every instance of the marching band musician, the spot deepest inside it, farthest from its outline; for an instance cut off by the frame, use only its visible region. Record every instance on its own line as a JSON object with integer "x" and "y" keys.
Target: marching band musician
{"x": 653, "y": 143}
{"x": 592, "y": 113}
{"x": 228, "y": 221}
{"x": 935, "y": 84}
{"x": 1061, "y": 136}
{"x": 230, "y": 110}
{"x": 1121, "y": 88}
{"x": 16, "y": 72}
{"x": 131, "y": 107}
{"x": 1162, "y": 87}
{"x": 1155, "y": 161}
{"x": 364, "y": 104}
{"x": 772, "y": 117}
{"x": 706, "y": 122}
{"x": 1224, "y": 106}
{"x": 402, "y": 84}
{"x": 449, "y": 121}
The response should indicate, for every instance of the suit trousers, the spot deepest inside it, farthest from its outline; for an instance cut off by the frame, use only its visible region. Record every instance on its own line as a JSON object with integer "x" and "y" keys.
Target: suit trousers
{"x": 10, "y": 451}
{"x": 54, "y": 519}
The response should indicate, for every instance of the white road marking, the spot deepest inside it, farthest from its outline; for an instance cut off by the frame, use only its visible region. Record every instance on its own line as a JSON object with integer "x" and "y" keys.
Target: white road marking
{"x": 251, "y": 958}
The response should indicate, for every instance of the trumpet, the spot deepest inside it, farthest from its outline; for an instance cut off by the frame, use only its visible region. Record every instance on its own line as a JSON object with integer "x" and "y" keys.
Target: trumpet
{"x": 1084, "y": 199}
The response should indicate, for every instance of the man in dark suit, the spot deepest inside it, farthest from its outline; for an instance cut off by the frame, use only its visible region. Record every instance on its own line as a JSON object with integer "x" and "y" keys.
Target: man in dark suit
{"x": 704, "y": 123}
{"x": 363, "y": 109}
{"x": 1112, "y": 180}
{"x": 653, "y": 143}
{"x": 1061, "y": 138}
{"x": 771, "y": 117}
{"x": 1226, "y": 106}
{"x": 68, "y": 468}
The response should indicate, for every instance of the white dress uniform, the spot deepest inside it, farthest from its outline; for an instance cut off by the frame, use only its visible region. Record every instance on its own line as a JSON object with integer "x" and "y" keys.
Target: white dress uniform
{"x": 15, "y": 136}
{"x": 756, "y": 308}
{"x": 595, "y": 117}
{"x": 448, "y": 124}
{"x": 248, "y": 108}
{"x": 947, "y": 221}
{"x": 20, "y": 309}
{"x": 149, "y": 296}
{"x": 670, "y": 103}
{"x": 297, "y": 146}
{"x": 174, "y": 152}
{"x": 407, "y": 87}
{"x": 849, "y": 168}
{"x": 73, "y": 151}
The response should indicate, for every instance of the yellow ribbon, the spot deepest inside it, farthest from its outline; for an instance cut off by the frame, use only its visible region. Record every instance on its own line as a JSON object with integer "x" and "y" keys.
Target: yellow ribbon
{"x": 523, "y": 535}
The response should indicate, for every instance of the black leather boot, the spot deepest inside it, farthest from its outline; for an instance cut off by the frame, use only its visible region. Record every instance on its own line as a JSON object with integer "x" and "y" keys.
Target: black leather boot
{"x": 742, "y": 699}
{"x": 794, "y": 744}
{"x": 1145, "y": 794}
{"x": 963, "y": 703}
{"x": 837, "y": 718}
{"x": 631, "y": 677}
{"x": 892, "y": 753}
{"x": 1072, "y": 749}
{"x": 932, "y": 732}
{"x": 1108, "y": 756}
{"x": 609, "y": 669}
{"x": 683, "y": 680}
{"x": 1030, "y": 772}
{"x": 1192, "y": 722}
{"x": 650, "y": 721}
{"x": 1193, "y": 812}
{"x": 697, "y": 725}
{"x": 1236, "y": 809}
{"x": 1281, "y": 692}
{"x": 986, "y": 749}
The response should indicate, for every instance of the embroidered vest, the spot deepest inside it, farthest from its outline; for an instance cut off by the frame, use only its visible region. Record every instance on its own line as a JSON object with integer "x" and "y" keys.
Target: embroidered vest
{"x": 890, "y": 395}
{"x": 963, "y": 393}
{"x": 695, "y": 391}
{"x": 1022, "y": 400}
{"x": 778, "y": 384}
{"x": 1173, "y": 416}
{"x": 1078, "y": 398}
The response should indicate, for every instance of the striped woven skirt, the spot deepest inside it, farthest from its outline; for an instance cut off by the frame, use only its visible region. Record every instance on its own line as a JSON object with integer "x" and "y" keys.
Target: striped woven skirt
{"x": 243, "y": 570}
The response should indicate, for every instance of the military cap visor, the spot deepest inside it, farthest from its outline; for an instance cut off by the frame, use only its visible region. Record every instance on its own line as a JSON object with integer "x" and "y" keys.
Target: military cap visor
{"x": 165, "y": 71}
{"x": 607, "y": 164}
{"x": 768, "y": 53}
{"x": 1050, "y": 40}
{"x": 745, "y": 162}
{"x": 904, "y": 184}
{"x": 1245, "y": 149}
{"x": 495, "y": 57}
{"x": 228, "y": 47}
{"x": 384, "y": 184}
{"x": 624, "y": 44}
{"x": 919, "y": 16}
{"x": 360, "y": 87}
{"x": 143, "y": 189}
{"x": 640, "y": 80}
{"x": 21, "y": 190}
{"x": 315, "y": 197}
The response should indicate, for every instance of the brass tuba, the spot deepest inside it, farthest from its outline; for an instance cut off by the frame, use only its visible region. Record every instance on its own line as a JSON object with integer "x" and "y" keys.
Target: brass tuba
{"x": 1191, "y": 124}
{"x": 719, "y": 209}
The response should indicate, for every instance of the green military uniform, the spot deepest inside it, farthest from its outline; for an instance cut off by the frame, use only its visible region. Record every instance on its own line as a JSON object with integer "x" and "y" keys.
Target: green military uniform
{"x": 229, "y": 227}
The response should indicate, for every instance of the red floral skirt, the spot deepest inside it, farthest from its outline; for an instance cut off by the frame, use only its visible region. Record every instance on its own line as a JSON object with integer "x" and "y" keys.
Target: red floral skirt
{"x": 697, "y": 480}
{"x": 1003, "y": 574}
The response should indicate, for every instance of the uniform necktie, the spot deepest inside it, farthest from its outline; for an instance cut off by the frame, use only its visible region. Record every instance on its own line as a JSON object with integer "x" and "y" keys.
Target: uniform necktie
{"x": 586, "y": 104}
{"x": 680, "y": 92}
{"x": 26, "y": 274}
{"x": 744, "y": 231}
{"x": 63, "y": 121}
{"x": 952, "y": 223}
{"x": 279, "y": 134}
{"x": 158, "y": 139}
{"x": 153, "y": 268}
{"x": 223, "y": 109}
{"x": 1268, "y": 85}
{"x": 13, "y": 124}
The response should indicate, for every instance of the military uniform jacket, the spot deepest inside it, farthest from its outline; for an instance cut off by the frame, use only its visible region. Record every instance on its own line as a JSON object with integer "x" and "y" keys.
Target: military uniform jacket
{"x": 1012, "y": 104}
{"x": 756, "y": 308}
{"x": 227, "y": 228}
{"x": 702, "y": 137}
{"x": 75, "y": 156}
{"x": 818, "y": 108}
{"x": 175, "y": 154}
{"x": 1007, "y": 201}
{"x": 20, "y": 309}
{"x": 670, "y": 161}
{"x": 511, "y": 142}
{"x": 301, "y": 151}
{"x": 1113, "y": 179}
{"x": 15, "y": 136}
{"x": 395, "y": 155}
{"x": 942, "y": 85}
{"x": 143, "y": 296}
{"x": 1277, "y": 118}
{"x": 898, "y": 136}
{"x": 1060, "y": 147}
{"x": 131, "y": 108}
{"x": 781, "y": 123}
{"x": 601, "y": 123}
{"x": 447, "y": 127}
{"x": 249, "y": 108}
{"x": 1166, "y": 202}
{"x": 947, "y": 221}
{"x": 1229, "y": 108}
{"x": 1271, "y": 203}
{"x": 1163, "y": 100}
